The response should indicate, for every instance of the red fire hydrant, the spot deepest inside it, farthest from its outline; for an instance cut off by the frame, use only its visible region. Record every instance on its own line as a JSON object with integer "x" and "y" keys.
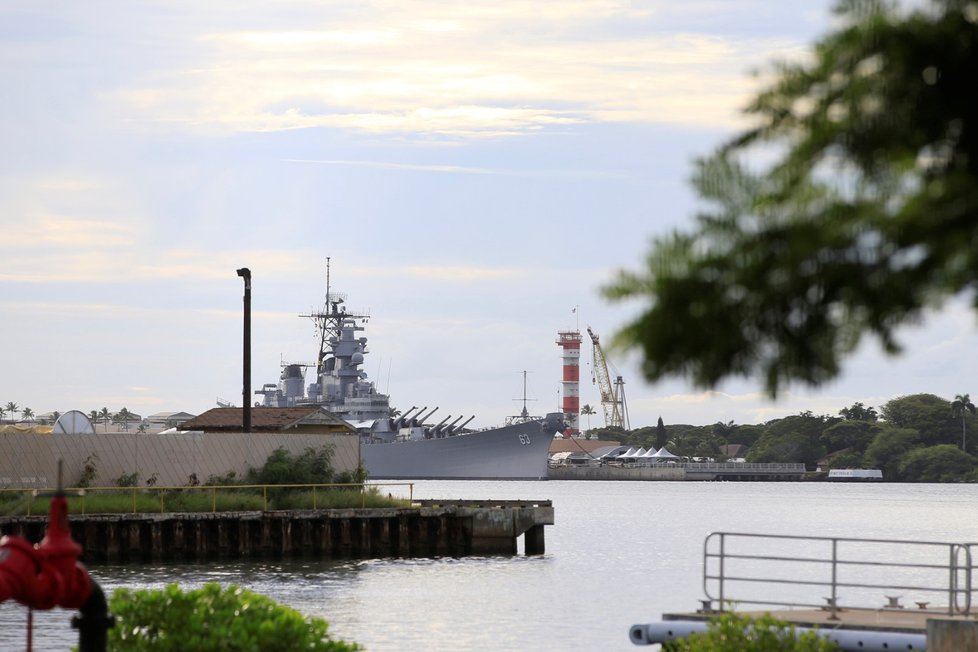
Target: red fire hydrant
{"x": 49, "y": 575}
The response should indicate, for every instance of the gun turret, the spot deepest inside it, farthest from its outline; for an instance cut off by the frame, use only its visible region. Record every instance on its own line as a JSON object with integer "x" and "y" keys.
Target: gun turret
{"x": 420, "y": 421}
{"x": 459, "y": 429}
{"x": 401, "y": 420}
{"x": 442, "y": 431}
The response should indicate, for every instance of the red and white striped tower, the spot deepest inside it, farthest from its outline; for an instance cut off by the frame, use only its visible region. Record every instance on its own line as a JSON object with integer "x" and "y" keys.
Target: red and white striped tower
{"x": 570, "y": 344}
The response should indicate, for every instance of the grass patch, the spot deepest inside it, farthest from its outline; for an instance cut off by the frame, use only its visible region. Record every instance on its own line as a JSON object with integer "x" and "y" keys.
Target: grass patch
{"x": 202, "y": 499}
{"x": 331, "y": 499}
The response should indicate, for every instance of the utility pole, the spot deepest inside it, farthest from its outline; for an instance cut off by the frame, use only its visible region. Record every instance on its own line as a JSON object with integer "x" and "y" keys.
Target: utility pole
{"x": 245, "y": 274}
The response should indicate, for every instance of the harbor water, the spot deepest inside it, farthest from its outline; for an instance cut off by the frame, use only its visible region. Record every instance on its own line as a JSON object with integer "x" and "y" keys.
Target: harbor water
{"x": 620, "y": 553}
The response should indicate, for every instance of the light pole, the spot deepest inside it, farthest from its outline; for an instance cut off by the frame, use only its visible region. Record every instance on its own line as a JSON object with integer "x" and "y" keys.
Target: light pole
{"x": 245, "y": 274}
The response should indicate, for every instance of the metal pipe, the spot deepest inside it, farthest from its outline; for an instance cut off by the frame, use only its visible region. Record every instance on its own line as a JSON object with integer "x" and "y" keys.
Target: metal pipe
{"x": 850, "y": 640}
{"x": 245, "y": 274}
{"x": 93, "y": 621}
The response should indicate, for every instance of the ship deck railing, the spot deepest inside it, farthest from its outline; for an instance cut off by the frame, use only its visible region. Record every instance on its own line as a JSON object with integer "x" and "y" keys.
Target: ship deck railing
{"x": 837, "y": 574}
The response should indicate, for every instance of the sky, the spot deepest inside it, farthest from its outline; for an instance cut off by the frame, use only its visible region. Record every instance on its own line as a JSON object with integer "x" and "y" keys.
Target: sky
{"x": 475, "y": 172}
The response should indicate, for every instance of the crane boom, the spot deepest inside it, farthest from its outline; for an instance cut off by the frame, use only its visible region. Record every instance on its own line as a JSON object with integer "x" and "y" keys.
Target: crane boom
{"x": 612, "y": 401}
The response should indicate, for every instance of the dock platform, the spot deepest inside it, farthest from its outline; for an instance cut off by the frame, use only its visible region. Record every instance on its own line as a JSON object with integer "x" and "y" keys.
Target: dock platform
{"x": 427, "y": 529}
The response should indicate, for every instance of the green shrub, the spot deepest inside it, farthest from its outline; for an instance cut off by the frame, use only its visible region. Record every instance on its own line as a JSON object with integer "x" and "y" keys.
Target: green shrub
{"x": 127, "y": 479}
{"x": 213, "y": 618}
{"x": 89, "y": 471}
{"x": 735, "y": 633}
{"x": 311, "y": 466}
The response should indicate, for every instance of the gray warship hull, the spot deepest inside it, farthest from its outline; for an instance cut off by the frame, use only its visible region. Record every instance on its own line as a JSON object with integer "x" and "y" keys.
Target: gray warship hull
{"x": 514, "y": 452}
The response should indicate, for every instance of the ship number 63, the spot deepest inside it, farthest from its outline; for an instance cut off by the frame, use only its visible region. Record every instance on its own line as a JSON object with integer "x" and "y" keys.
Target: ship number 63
{"x": 525, "y": 440}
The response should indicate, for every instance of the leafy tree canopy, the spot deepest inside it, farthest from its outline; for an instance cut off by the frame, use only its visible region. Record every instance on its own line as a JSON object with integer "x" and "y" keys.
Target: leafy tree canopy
{"x": 888, "y": 447}
{"x": 943, "y": 463}
{"x": 929, "y": 415}
{"x": 851, "y": 435}
{"x": 859, "y": 412}
{"x": 736, "y": 633}
{"x": 215, "y": 618}
{"x": 867, "y": 216}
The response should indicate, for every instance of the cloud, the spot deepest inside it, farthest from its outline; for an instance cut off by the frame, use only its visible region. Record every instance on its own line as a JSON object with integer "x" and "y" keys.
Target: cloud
{"x": 455, "y": 71}
{"x": 103, "y": 262}
{"x": 459, "y": 169}
{"x": 458, "y": 274}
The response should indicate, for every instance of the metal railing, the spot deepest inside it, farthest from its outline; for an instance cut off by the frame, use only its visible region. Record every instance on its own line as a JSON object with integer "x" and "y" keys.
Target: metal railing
{"x": 78, "y": 496}
{"x": 835, "y": 573}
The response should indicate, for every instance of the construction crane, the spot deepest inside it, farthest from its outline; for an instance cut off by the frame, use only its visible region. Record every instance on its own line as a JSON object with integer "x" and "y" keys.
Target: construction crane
{"x": 612, "y": 395}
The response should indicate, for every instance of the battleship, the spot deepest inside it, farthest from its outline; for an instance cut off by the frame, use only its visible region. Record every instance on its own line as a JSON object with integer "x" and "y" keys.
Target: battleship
{"x": 405, "y": 446}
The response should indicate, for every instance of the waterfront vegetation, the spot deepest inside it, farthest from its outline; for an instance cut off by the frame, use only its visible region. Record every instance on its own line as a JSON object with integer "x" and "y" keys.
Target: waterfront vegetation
{"x": 916, "y": 438}
{"x": 210, "y": 619}
{"x": 217, "y": 498}
{"x": 731, "y": 632}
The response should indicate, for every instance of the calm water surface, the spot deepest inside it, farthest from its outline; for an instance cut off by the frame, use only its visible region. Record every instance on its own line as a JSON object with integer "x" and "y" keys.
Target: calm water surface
{"x": 620, "y": 553}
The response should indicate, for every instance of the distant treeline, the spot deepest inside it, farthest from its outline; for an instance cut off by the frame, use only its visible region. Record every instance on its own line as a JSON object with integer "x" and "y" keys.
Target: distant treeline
{"x": 916, "y": 438}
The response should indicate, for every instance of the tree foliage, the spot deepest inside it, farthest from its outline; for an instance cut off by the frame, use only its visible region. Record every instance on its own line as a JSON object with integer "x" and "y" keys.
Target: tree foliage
{"x": 867, "y": 216}
{"x": 859, "y": 412}
{"x": 735, "y": 633}
{"x": 928, "y": 414}
{"x": 213, "y": 618}
{"x": 959, "y": 406}
{"x": 888, "y": 447}
{"x": 943, "y": 463}
{"x": 854, "y": 436}
{"x": 311, "y": 466}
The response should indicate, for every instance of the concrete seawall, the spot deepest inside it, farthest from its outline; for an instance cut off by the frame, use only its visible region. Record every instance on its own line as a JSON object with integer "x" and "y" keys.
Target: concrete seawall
{"x": 615, "y": 473}
{"x": 703, "y": 471}
{"x": 431, "y": 530}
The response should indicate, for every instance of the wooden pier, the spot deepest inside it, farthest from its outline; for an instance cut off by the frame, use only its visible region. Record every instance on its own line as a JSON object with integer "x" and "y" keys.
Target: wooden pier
{"x": 430, "y": 529}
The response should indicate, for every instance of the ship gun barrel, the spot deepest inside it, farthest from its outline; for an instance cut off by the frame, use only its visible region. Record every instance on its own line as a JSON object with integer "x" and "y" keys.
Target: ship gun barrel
{"x": 401, "y": 420}
{"x": 459, "y": 429}
{"x": 420, "y": 421}
{"x": 440, "y": 431}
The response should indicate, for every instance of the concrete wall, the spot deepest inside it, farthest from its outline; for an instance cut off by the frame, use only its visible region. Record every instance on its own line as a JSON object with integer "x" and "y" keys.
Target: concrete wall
{"x": 30, "y": 460}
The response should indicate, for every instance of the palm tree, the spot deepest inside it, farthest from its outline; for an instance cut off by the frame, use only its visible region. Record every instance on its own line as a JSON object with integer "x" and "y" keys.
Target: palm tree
{"x": 961, "y": 404}
{"x": 27, "y": 414}
{"x": 3, "y": 411}
{"x": 123, "y": 416}
{"x": 105, "y": 416}
{"x": 93, "y": 415}
{"x": 587, "y": 410}
{"x": 12, "y": 410}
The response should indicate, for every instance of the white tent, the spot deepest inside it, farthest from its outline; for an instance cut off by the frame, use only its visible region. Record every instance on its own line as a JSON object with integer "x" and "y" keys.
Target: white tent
{"x": 651, "y": 452}
{"x": 614, "y": 453}
{"x": 664, "y": 454}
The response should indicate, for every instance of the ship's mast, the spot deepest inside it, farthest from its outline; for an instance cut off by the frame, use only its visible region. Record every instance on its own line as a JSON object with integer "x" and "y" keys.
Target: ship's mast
{"x": 525, "y": 414}
{"x": 329, "y": 321}
{"x": 322, "y": 326}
